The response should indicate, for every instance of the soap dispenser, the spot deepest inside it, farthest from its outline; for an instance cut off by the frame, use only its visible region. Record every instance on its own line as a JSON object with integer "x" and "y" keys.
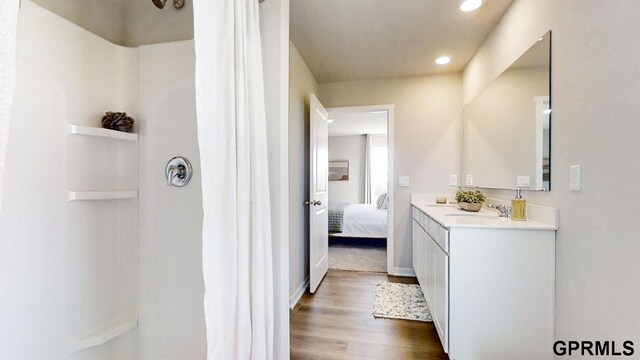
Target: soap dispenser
{"x": 518, "y": 207}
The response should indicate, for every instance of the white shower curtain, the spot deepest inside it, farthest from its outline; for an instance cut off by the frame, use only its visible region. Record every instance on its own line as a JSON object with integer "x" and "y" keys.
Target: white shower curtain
{"x": 8, "y": 29}
{"x": 236, "y": 236}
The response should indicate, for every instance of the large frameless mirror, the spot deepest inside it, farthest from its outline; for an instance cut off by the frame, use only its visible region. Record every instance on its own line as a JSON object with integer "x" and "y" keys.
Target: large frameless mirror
{"x": 507, "y": 127}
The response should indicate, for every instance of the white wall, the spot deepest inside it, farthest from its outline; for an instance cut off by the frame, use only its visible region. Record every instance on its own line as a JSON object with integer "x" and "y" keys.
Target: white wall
{"x": 172, "y": 323}
{"x": 301, "y": 85}
{"x": 427, "y": 133}
{"x": 595, "y": 106}
{"x": 353, "y": 149}
{"x": 66, "y": 268}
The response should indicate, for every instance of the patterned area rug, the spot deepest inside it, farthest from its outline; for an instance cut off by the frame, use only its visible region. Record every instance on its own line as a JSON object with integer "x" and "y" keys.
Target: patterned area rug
{"x": 400, "y": 301}
{"x": 358, "y": 258}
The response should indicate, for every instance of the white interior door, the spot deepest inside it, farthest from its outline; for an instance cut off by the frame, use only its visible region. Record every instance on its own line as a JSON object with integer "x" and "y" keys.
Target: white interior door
{"x": 319, "y": 178}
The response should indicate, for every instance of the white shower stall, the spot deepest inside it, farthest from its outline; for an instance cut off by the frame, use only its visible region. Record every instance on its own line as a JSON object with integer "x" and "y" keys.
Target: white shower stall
{"x": 99, "y": 258}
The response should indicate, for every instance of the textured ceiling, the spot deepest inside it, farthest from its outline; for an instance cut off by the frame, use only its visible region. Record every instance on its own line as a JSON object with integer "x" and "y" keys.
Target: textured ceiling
{"x": 343, "y": 40}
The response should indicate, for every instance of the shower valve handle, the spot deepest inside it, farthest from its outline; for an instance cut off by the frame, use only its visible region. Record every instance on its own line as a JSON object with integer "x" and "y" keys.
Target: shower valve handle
{"x": 178, "y": 172}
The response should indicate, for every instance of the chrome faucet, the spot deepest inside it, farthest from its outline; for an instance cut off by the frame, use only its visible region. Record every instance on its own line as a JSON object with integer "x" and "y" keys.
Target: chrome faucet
{"x": 503, "y": 210}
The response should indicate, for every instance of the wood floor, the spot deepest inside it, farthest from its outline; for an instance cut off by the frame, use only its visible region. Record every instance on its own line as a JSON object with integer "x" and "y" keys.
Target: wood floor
{"x": 337, "y": 323}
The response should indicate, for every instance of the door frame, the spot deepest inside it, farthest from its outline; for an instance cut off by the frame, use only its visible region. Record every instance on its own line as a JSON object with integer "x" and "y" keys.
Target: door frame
{"x": 542, "y": 103}
{"x": 389, "y": 108}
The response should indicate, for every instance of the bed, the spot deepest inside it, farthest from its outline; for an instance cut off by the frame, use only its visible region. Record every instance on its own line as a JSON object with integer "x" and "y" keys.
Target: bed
{"x": 358, "y": 221}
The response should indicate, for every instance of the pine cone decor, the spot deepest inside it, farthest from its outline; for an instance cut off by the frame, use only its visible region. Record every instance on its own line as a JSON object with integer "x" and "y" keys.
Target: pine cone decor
{"x": 118, "y": 121}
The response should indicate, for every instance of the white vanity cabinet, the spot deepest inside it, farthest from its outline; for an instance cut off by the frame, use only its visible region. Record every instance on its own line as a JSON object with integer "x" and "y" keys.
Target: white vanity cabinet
{"x": 489, "y": 283}
{"x": 431, "y": 265}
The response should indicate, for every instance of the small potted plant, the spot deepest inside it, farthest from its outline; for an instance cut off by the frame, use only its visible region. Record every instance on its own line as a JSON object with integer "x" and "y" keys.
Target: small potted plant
{"x": 470, "y": 200}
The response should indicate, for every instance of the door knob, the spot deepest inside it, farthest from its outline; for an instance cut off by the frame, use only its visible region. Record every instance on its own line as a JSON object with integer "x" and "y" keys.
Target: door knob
{"x": 316, "y": 203}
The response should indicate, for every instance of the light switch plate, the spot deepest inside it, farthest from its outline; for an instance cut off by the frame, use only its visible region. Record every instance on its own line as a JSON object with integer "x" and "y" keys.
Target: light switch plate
{"x": 403, "y": 181}
{"x": 453, "y": 180}
{"x": 524, "y": 181}
{"x": 575, "y": 177}
{"x": 468, "y": 180}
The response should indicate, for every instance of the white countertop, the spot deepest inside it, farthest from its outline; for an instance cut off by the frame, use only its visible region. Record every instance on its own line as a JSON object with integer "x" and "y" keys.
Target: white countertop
{"x": 450, "y": 216}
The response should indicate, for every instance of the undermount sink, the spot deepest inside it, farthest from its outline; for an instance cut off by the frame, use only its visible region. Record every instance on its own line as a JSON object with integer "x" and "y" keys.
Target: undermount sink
{"x": 480, "y": 215}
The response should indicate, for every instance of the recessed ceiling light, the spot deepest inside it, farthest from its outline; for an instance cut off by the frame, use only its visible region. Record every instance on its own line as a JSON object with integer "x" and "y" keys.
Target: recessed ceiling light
{"x": 329, "y": 121}
{"x": 470, "y": 5}
{"x": 443, "y": 60}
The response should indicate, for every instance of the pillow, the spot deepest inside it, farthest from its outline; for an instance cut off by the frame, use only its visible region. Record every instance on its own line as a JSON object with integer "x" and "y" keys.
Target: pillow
{"x": 382, "y": 200}
{"x": 385, "y": 205}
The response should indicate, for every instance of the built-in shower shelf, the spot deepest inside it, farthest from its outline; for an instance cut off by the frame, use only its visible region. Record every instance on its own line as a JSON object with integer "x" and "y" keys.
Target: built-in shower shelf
{"x": 104, "y": 334}
{"x": 100, "y": 132}
{"x": 102, "y": 195}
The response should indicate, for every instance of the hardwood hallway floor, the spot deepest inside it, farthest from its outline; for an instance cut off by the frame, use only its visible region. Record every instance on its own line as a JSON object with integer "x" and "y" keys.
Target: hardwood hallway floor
{"x": 337, "y": 323}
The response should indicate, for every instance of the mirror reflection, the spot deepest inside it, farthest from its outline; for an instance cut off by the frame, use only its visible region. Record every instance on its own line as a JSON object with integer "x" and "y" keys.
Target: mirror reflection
{"x": 507, "y": 127}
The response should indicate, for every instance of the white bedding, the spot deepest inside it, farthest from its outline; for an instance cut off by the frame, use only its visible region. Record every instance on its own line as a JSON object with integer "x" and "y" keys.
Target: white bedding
{"x": 364, "y": 220}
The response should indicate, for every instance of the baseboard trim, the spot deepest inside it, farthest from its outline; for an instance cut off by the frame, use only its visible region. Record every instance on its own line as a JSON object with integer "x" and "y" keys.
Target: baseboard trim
{"x": 398, "y": 271}
{"x": 293, "y": 301}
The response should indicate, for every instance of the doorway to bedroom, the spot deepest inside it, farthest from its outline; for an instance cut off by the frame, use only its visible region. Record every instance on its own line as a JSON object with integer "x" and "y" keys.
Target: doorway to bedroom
{"x": 358, "y": 173}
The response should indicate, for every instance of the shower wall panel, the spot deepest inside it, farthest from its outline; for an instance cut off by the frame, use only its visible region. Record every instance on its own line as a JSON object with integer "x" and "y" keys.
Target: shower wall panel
{"x": 171, "y": 284}
{"x": 68, "y": 269}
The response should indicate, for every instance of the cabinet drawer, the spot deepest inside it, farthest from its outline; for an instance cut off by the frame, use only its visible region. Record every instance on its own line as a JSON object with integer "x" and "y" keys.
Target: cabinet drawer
{"x": 425, "y": 222}
{"x": 443, "y": 238}
{"x": 415, "y": 238}
{"x": 420, "y": 218}
{"x": 416, "y": 213}
{"x": 433, "y": 229}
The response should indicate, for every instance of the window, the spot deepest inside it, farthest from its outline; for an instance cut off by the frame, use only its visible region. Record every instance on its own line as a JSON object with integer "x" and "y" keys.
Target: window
{"x": 378, "y": 165}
